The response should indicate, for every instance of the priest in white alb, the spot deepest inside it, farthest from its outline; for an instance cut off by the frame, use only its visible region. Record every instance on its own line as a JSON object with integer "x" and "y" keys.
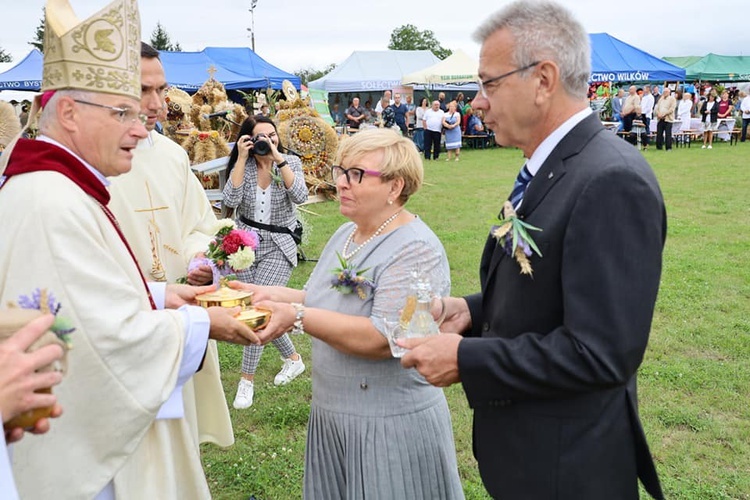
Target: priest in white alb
{"x": 167, "y": 219}
{"x": 123, "y": 434}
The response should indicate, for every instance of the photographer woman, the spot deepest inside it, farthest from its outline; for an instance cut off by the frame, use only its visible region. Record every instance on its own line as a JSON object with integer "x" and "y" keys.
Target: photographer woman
{"x": 264, "y": 187}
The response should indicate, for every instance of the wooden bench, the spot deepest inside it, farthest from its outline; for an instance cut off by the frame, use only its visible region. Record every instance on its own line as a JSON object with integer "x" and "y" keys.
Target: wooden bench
{"x": 478, "y": 141}
{"x": 734, "y": 136}
{"x": 685, "y": 137}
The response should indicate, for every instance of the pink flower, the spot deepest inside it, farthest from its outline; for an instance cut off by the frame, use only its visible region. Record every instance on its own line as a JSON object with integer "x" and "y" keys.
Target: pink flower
{"x": 249, "y": 238}
{"x": 232, "y": 242}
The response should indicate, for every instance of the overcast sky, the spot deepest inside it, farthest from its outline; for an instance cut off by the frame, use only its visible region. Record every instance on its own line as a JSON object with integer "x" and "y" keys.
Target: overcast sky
{"x": 293, "y": 34}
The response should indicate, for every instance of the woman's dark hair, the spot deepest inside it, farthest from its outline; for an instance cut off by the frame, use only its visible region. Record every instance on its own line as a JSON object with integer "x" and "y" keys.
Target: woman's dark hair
{"x": 424, "y": 99}
{"x": 247, "y": 128}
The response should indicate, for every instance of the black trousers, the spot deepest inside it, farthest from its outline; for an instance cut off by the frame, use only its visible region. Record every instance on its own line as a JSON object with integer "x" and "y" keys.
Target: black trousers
{"x": 647, "y": 124}
{"x": 627, "y": 126}
{"x": 663, "y": 134}
{"x": 431, "y": 143}
{"x": 745, "y": 123}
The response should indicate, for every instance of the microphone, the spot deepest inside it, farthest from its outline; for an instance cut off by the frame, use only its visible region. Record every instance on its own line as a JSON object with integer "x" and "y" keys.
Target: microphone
{"x": 220, "y": 114}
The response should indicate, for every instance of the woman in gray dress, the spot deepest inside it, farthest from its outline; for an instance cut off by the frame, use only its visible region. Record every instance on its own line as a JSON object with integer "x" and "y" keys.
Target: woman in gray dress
{"x": 375, "y": 429}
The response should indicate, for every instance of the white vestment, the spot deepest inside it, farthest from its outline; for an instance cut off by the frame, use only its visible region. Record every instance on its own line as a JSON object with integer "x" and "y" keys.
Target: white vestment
{"x": 167, "y": 218}
{"x": 125, "y": 361}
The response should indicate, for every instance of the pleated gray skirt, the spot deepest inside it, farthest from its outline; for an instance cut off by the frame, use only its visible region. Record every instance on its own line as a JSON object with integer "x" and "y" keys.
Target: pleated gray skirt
{"x": 355, "y": 457}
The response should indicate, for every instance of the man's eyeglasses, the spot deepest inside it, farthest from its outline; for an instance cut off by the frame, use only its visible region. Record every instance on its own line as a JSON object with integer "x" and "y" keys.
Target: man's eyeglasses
{"x": 353, "y": 175}
{"x": 124, "y": 115}
{"x": 483, "y": 83}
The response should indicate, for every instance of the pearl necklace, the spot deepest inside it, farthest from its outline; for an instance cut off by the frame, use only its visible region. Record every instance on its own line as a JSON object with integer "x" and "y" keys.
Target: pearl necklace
{"x": 368, "y": 240}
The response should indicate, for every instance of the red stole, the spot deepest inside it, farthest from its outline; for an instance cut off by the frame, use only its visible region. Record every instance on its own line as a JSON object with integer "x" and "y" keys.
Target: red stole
{"x": 34, "y": 156}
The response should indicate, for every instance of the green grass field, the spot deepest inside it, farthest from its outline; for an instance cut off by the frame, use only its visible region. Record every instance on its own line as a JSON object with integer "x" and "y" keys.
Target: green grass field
{"x": 694, "y": 383}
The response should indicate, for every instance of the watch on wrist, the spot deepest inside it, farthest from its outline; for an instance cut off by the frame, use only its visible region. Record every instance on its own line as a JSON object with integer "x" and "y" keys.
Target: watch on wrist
{"x": 298, "y": 329}
{"x": 284, "y": 163}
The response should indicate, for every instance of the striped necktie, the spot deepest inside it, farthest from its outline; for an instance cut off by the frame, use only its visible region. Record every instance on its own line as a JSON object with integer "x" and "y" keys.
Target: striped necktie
{"x": 523, "y": 179}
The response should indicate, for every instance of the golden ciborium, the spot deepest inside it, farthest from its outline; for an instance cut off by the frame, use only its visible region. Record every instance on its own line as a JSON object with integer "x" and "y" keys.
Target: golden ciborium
{"x": 254, "y": 317}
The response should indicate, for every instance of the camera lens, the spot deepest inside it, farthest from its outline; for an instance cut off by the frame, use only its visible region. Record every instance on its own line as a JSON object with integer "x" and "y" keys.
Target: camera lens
{"x": 261, "y": 147}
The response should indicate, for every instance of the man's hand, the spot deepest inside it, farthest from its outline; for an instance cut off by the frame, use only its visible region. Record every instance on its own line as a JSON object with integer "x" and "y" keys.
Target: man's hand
{"x": 19, "y": 378}
{"x": 40, "y": 427}
{"x": 435, "y": 358}
{"x": 225, "y": 327}
{"x": 180, "y": 295}
{"x": 457, "y": 315}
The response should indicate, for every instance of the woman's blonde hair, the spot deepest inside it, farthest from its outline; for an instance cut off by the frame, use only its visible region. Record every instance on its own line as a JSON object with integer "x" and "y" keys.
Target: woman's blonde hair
{"x": 400, "y": 156}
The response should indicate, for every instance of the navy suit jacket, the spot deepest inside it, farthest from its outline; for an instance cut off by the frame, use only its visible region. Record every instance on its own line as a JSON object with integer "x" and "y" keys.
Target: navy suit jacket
{"x": 550, "y": 364}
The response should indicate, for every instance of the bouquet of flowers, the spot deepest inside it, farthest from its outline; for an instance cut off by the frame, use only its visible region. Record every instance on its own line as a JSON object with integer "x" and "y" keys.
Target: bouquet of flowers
{"x": 348, "y": 279}
{"x": 230, "y": 251}
{"x": 513, "y": 235}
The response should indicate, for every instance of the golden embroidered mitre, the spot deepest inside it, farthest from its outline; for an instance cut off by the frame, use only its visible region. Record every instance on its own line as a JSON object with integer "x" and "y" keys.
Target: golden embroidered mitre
{"x": 99, "y": 54}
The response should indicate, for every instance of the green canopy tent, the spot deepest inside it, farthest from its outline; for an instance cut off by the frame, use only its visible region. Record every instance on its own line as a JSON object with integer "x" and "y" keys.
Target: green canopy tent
{"x": 713, "y": 67}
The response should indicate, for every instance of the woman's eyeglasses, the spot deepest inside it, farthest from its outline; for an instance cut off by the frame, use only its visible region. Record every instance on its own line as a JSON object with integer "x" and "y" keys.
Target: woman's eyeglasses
{"x": 353, "y": 175}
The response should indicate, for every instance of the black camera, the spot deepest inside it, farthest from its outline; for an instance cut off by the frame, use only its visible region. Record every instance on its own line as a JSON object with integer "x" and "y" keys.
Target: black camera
{"x": 261, "y": 147}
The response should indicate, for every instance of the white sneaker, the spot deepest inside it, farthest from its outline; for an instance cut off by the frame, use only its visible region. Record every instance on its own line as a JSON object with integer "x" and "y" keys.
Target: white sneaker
{"x": 245, "y": 392}
{"x": 703, "y": 147}
{"x": 710, "y": 146}
{"x": 291, "y": 370}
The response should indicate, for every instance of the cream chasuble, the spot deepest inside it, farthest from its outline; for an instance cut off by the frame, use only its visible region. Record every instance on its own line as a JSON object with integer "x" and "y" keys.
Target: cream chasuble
{"x": 167, "y": 218}
{"x": 124, "y": 363}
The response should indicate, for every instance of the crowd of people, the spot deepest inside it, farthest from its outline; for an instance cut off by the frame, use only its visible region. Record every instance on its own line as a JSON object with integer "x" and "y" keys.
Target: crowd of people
{"x": 118, "y": 215}
{"x": 432, "y": 125}
{"x": 676, "y": 104}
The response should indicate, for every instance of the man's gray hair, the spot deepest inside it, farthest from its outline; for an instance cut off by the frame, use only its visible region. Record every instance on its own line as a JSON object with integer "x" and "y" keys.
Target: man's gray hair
{"x": 545, "y": 30}
{"x": 49, "y": 113}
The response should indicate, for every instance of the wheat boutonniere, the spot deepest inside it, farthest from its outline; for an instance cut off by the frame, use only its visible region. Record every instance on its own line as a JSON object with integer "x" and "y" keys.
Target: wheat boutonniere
{"x": 513, "y": 235}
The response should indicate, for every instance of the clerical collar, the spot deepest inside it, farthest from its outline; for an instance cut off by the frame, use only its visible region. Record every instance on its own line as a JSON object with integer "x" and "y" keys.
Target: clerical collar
{"x": 94, "y": 171}
{"x": 550, "y": 143}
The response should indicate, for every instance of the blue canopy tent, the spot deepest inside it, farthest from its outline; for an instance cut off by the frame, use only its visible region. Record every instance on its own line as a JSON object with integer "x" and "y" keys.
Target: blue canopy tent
{"x": 613, "y": 60}
{"x": 26, "y": 75}
{"x": 235, "y": 67}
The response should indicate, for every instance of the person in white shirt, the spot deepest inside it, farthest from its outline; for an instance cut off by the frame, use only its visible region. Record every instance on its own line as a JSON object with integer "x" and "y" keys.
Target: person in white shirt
{"x": 387, "y": 96}
{"x": 647, "y": 110}
{"x": 432, "y": 122}
{"x": 745, "y": 108}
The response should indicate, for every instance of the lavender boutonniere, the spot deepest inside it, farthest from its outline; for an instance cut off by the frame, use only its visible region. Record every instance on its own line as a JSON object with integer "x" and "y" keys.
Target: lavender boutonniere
{"x": 44, "y": 301}
{"x": 513, "y": 235}
{"x": 348, "y": 279}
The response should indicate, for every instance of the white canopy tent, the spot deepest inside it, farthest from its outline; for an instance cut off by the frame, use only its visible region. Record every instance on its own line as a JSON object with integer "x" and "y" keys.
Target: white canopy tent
{"x": 457, "y": 69}
{"x": 365, "y": 71}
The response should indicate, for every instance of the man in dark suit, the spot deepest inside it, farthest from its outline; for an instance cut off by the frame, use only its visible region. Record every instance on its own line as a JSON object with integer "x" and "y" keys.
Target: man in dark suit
{"x": 548, "y": 361}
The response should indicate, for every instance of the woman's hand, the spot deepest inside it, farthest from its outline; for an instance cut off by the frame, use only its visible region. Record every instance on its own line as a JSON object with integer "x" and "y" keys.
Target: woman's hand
{"x": 244, "y": 145}
{"x": 260, "y": 292}
{"x": 283, "y": 317}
